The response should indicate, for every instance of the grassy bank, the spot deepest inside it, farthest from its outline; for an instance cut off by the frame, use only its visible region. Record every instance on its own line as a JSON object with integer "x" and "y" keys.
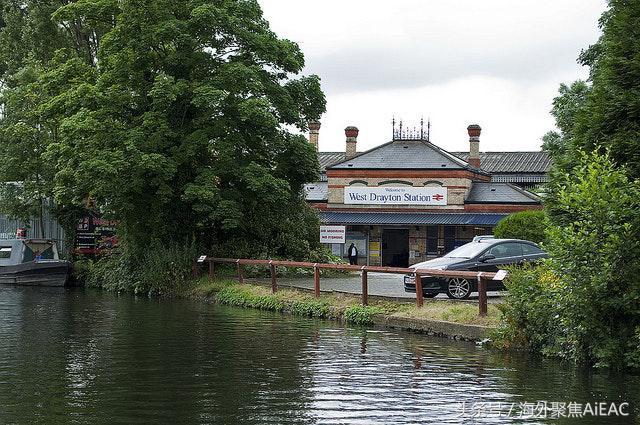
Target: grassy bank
{"x": 336, "y": 306}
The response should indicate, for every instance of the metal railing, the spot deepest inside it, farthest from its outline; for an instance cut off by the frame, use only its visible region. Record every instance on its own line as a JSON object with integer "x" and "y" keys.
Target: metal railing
{"x": 481, "y": 277}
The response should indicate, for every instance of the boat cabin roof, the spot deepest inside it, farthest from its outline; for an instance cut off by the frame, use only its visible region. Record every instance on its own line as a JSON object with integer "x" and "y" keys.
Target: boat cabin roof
{"x": 17, "y": 251}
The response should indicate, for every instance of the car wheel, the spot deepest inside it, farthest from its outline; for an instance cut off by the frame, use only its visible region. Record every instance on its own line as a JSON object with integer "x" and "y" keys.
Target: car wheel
{"x": 458, "y": 288}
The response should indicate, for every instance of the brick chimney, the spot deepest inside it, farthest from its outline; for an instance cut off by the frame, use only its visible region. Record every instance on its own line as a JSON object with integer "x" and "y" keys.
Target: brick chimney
{"x": 474, "y": 145}
{"x": 314, "y": 130}
{"x": 352, "y": 138}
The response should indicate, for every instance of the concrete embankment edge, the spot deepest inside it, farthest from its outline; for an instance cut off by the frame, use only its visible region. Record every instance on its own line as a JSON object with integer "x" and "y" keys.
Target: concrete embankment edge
{"x": 431, "y": 327}
{"x": 434, "y": 327}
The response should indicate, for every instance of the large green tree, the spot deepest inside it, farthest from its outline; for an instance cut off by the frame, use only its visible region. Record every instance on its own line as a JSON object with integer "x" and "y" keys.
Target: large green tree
{"x": 175, "y": 118}
{"x": 605, "y": 113}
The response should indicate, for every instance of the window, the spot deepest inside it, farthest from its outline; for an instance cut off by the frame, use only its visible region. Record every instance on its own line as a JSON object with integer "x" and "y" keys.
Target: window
{"x": 504, "y": 250}
{"x": 5, "y": 252}
{"x": 531, "y": 249}
{"x": 432, "y": 240}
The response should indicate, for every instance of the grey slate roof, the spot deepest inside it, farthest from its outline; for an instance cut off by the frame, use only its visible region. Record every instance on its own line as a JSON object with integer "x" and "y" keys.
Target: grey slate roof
{"x": 318, "y": 191}
{"x": 405, "y": 154}
{"x": 499, "y": 193}
{"x": 512, "y": 162}
{"x": 347, "y": 217}
{"x": 327, "y": 159}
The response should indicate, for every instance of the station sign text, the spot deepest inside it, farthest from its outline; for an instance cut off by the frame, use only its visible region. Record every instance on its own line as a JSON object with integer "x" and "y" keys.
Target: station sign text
{"x": 395, "y": 195}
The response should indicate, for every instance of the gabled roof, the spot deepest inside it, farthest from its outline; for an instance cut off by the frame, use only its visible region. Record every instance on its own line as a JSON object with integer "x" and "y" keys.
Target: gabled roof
{"x": 327, "y": 159}
{"x": 499, "y": 193}
{"x": 405, "y": 154}
{"x": 512, "y": 162}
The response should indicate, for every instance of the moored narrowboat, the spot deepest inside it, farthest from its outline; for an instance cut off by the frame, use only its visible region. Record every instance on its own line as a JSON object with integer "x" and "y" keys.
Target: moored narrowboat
{"x": 32, "y": 262}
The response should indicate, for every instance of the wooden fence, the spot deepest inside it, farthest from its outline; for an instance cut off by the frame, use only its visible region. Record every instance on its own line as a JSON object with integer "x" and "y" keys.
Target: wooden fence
{"x": 481, "y": 277}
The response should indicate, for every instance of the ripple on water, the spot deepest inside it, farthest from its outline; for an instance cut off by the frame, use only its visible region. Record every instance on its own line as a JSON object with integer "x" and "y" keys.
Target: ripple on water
{"x": 78, "y": 356}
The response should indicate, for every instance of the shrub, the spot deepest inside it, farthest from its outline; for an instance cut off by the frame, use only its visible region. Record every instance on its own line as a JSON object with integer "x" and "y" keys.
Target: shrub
{"x": 584, "y": 302}
{"x": 530, "y": 309}
{"x": 360, "y": 315}
{"x": 157, "y": 270}
{"x": 594, "y": 246}
{"x": 527, "y": 225}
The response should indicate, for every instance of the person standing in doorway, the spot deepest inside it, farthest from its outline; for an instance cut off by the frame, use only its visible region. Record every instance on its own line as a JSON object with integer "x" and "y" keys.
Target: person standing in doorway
{"x": 353, "y": 254}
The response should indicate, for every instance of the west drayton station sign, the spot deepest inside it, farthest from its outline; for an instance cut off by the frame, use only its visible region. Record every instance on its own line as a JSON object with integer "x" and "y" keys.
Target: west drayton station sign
{"x": 395, "y": 195}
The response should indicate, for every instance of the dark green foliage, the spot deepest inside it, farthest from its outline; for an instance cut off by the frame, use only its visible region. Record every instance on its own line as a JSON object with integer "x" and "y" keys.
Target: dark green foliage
{"x": 606, "y": 114}
{"x": 527, "y": 225}
{"x": 159, "y": 270}
{"x": 530, "y": 311}
{"x": 610, "y": 118}
{"x": 585, "y": 304}
{"x": 566, "y": 107}
{"x": 174, "y": 118}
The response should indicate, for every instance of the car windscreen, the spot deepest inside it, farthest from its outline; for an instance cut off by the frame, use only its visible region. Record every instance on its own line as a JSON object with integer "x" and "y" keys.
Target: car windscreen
{"x": 469, "y": 250}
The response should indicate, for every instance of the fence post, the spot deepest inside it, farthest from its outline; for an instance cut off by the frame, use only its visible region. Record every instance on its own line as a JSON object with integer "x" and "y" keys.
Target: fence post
{"x": 239, "y": 272}
{"x": 194, "y": 269}
{"x": 211, "y": 269}
{"x": 274, "y": 283}
{"x": 316, "y": 280}
{"x": 365, "y": 287}
{"x": 419, "y": 294}
{"x": 482, "y": 295}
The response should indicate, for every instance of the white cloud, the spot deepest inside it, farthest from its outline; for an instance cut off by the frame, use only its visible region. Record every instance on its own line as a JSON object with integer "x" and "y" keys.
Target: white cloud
{"x": 494, "y": 62}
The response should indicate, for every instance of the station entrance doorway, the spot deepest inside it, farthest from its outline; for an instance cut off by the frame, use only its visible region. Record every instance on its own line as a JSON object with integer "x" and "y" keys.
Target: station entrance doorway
{"x": 395, "y": 247}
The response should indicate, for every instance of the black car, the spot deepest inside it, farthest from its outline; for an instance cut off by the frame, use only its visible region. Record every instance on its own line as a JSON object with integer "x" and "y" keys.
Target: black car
{"x": 484, "y": 254}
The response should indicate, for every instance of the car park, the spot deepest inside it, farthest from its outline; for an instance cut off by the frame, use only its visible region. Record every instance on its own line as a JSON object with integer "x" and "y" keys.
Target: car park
{"x": 482, "y": 255}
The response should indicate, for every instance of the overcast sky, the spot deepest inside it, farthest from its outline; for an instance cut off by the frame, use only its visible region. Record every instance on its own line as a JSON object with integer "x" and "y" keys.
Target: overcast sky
{"x": 497, "y": 63}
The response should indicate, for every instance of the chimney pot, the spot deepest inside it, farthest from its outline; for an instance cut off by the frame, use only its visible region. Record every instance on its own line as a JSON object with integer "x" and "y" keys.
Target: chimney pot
{"x": 352, "y": 139}
{"x": 474, "y": 145}
{"x": 474, "y": 130}
{"x": 314, "y": 127}
{"x": 351, "y": 131}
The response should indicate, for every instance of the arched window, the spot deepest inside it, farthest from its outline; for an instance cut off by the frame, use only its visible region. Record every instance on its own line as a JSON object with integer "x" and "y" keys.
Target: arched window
{"x": 395, "y": 182}
{"x": 358, "y": 183}
{"x": 432, "y": 183}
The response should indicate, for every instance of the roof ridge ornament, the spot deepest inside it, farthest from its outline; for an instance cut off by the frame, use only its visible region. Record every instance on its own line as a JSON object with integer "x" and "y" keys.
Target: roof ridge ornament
{"x": 413, "y": 133}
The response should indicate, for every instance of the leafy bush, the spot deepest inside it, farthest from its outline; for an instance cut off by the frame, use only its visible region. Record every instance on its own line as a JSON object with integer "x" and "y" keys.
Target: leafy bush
{"x": 158, "y": 270}
{"x": 584, "y": 304}
{"x": 530, "y": 310}
{"x": 594, "y": 245}
{"x": 527, "y": 225}
{"x": 360, "y": 315}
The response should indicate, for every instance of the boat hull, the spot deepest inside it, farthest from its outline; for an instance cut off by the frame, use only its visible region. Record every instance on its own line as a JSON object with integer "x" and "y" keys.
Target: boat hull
{"x": 45, "y": 273}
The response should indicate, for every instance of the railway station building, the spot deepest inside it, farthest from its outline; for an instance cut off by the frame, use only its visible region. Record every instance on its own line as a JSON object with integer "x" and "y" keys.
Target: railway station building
{"x": 409, "y": 200}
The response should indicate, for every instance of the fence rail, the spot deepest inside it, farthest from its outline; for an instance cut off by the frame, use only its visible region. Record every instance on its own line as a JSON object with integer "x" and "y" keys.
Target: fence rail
{"x": 481, "y": 277}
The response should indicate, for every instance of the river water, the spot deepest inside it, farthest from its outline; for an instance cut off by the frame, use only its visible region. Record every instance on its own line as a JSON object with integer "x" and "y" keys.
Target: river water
{"x": 91, "y": 357}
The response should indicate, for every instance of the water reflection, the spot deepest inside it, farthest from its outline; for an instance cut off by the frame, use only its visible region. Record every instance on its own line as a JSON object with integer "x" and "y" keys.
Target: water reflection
{"x": 77, "y": 356}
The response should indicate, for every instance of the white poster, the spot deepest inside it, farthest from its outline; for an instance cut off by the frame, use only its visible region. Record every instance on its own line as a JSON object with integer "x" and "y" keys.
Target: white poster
{"x": 395, "y": 195}
{"x": 332, "y": 234}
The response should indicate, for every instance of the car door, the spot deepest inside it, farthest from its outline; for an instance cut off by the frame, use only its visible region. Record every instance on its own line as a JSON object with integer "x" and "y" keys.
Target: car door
{"x": 505, "y": 253}
{"x": 532, "y": 253}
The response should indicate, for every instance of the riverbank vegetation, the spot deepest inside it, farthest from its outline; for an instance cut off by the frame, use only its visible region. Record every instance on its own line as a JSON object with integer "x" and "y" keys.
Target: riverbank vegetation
{"x": 583, "y": 304}
{"x": 179, "y": 120}
{"x": 339, "y": 306}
